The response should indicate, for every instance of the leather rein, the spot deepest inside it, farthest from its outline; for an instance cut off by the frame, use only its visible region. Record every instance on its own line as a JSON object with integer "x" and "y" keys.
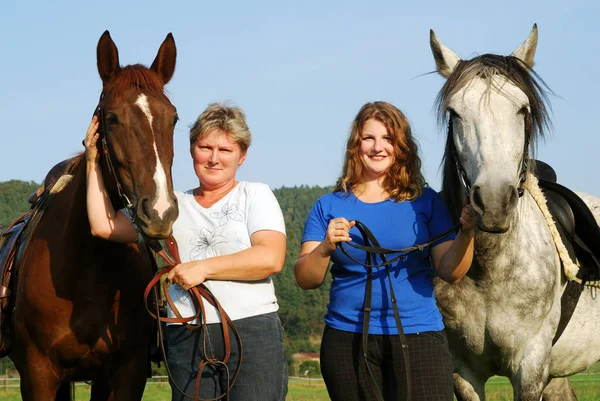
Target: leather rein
{"x": 196, "y": 293}
{"x": 372, "y": 248}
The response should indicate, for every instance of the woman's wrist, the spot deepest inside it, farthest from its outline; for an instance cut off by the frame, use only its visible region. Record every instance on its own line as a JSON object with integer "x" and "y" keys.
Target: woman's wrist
{"x": 468, "y": 233}
{"x": 324, "y": 251}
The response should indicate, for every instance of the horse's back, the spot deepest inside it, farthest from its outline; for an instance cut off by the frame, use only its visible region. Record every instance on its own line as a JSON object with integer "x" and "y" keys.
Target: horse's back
{"x": 593, "y": 203}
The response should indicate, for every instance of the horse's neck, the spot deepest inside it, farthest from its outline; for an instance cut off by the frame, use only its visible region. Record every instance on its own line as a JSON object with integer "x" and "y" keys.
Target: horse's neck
{"x": 68, "y": 196}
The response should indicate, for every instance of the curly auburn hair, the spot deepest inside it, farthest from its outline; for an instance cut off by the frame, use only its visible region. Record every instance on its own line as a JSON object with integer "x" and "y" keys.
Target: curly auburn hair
{"x": 403, "y": 180}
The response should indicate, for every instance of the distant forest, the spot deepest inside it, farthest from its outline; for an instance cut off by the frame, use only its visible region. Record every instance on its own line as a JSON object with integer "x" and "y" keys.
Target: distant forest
{"x": 301, "y": 311}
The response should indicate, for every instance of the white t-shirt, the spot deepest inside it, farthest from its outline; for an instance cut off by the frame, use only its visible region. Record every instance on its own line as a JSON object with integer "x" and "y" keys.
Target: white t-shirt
{"x": 223, "y": 229}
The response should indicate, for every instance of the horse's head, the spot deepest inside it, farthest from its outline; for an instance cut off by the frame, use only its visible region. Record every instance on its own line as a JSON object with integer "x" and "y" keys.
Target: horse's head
{"x": 495, "y": 108}
{"x": 137, "y": 122}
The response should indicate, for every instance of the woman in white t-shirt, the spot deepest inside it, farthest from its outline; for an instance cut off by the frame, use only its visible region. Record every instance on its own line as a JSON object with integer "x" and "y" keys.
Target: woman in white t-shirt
{"x": 231, "y": 237}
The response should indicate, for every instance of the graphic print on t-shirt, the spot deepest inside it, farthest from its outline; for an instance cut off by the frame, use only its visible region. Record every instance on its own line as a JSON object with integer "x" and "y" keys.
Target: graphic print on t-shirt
{"x": 205, "y": 242}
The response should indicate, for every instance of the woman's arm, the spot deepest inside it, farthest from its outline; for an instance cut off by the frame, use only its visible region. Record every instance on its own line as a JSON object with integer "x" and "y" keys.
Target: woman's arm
{"x": 312, "y": 263}
{"x": 104, "y": 221}
{"x": 452, "y": 259}
{"x": 263, "y": 259}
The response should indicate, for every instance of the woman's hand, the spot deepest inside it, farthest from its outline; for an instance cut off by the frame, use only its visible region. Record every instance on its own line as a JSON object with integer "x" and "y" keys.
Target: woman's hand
{"x": 338, "y": 230}
{"x": 468, "y": 217}
{"x": 91, "y": 137}
{"x": 187, "y": 275}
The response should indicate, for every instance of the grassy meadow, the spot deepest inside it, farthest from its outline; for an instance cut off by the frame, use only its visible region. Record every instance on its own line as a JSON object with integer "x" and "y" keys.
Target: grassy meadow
{"x": 586, "y": 386}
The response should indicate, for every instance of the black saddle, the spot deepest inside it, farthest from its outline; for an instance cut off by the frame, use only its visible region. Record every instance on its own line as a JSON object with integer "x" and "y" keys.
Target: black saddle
{"x": 574, "y": 220}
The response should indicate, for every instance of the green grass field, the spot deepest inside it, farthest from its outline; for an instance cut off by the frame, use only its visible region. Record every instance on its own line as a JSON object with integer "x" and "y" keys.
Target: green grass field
{"x": 586, "y": 386}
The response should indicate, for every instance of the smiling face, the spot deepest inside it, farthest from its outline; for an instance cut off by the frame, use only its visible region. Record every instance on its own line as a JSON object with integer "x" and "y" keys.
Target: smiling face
{"x": 216, "y": 159}
{"x": 376, "y": 150}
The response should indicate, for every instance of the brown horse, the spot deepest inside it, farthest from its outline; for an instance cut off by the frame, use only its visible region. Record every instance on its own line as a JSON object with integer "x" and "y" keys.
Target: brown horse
{"x": 79, "y": 312}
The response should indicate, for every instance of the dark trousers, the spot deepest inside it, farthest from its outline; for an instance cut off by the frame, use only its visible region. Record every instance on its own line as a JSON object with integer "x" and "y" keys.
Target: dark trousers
{"x": 263, "y": 375}
{"x": 347, "y": 378}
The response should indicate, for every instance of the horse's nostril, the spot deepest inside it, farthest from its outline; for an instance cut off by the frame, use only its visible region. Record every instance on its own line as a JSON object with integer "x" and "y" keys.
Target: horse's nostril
{"x": 145, "y": 207}
{"x": 478, "y": 200}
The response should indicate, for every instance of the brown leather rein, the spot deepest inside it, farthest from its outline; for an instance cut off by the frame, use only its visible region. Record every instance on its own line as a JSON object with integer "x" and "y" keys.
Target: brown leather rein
{"x": 196, "y": 294}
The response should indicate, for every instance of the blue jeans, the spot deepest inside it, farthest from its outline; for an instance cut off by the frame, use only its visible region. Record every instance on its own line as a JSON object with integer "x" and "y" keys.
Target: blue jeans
{"x": 263, "y": 375}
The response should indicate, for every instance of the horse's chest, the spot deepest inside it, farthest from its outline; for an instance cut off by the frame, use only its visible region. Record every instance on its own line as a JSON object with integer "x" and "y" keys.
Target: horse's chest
{"x": 483, "y": 314}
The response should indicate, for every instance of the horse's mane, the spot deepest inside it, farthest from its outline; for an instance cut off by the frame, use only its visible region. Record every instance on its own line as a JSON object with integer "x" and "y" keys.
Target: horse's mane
{"x": 138, "y": 78}
{"x": 486, "y": 67}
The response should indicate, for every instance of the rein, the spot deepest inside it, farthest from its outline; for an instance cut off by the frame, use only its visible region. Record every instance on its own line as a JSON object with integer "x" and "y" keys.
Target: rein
{"x": 196, "y": 294}
{"x": 372, "y": 248}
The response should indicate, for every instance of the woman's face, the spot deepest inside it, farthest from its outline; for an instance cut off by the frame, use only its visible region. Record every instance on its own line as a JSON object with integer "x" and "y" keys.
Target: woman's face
{"x": 376, "y": 149}
{"x": 216, "y": 159}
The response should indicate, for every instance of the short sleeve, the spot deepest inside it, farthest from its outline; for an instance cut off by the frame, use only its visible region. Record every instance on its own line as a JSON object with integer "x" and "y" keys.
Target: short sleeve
{"x": 440, "y": 220}
{"x": 264, "y": 212}
{"x": 316, "y": 223}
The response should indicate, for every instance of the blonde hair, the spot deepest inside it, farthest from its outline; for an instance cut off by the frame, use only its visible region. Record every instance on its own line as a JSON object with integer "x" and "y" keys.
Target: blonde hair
{"x": 403, "y": 180}
{"x": 223, "y": 117}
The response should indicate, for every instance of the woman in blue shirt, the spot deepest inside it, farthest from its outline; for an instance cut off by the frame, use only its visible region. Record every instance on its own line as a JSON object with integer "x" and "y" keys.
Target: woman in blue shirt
{"x": 382, "y": 186}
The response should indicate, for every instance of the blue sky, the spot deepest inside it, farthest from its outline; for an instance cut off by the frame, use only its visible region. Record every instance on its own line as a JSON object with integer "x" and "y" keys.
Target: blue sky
{"x": 301, "y": 70}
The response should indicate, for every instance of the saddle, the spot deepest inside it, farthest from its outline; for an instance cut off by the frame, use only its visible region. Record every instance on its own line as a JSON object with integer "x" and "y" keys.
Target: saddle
{"x": 575, "y": 223}
{"x": 10, "y": 244}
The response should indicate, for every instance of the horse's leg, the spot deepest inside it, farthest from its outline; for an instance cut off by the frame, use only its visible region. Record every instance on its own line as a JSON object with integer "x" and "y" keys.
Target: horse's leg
{"x": 468, "y": 387}
{"x": 38, "y": 381}
{"x": 101, "y": 391}
{"x": 559, "y": 389}
{"x": 532, "y": 375}
{"x": 129, "y": 381}
{"x": 65, "y": 392}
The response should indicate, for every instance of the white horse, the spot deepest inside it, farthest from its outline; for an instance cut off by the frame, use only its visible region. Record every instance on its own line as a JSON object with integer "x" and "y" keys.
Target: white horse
{"x": 502, "y": 317}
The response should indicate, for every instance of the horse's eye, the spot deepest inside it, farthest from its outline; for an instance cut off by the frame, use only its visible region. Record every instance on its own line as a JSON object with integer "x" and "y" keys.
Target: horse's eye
{"x": 525, "y": 110}
{"x": 112, "y": 119}
{"x": 453, "y": 114}
{"x": 175, "y": 120}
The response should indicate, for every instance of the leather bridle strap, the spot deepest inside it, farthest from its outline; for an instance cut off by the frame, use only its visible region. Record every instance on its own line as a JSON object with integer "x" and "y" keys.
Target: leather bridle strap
{"x": 197, "y": 295}
{"x": 372, "y": 247}
{"x": 111, "y": 168}
{"x": 371, "y": 243}
{"x": 404, "y": 252}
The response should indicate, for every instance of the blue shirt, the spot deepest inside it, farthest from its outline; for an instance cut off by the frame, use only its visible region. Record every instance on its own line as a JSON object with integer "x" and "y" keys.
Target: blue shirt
{"x": 395, "y": 225}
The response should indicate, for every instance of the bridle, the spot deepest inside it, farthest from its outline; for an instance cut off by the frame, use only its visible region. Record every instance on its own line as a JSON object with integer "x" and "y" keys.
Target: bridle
{"x": 197, "y": 293}
{"x": 462, "y": 174}
{"x": 128, "y": 206}
{"x": 372, "y": 247}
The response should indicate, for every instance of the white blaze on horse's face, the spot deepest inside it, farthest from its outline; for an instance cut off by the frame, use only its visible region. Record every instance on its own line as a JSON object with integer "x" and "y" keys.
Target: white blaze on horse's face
{"x": 162, "y": 202}
{"x": 488, "y": 122}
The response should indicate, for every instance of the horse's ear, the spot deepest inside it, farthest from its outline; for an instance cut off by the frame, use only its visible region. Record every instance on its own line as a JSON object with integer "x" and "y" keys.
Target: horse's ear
{"x": 526, "y": 51}
{"x": 445, "y": 59}
{"x": 164, "y": 63}
{"x": 107, "y": 58}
